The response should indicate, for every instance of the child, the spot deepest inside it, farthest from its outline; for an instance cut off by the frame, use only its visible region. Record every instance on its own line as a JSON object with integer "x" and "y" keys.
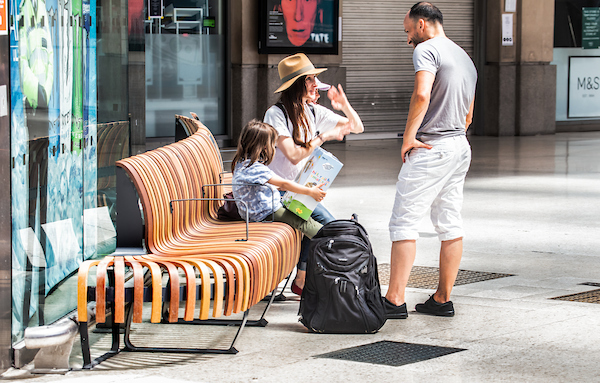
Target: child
{"x": 255, "y": 151}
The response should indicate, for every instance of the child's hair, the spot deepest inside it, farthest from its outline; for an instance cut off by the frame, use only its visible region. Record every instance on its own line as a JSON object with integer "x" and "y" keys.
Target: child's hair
{"x": 256, "y": 143}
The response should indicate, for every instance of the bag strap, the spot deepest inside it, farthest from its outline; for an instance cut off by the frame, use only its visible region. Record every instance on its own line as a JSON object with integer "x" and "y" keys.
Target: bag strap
{"x": 280, "y": 106}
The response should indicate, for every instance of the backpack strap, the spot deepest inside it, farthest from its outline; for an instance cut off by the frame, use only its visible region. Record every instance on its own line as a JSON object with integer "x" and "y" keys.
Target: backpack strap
{"x": 312, "y": 109}
{"x": 282, "y": 108}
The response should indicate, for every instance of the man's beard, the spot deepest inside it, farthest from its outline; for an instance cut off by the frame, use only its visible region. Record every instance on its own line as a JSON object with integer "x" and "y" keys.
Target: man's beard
{"x": 416, "y": 41}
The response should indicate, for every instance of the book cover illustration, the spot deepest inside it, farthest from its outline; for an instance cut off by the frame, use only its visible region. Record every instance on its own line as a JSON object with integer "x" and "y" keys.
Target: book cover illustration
{"x": 321, "y": 169}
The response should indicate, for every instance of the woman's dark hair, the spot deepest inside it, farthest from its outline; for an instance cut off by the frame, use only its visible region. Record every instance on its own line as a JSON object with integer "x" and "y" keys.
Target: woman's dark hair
{"x": 257, "y": 143}
{"x": 426, "y": 11}
{"x": 291, "y": 98}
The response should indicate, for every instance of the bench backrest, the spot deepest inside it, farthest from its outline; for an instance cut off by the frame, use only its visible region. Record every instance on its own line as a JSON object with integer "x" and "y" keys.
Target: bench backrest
{"x": 173, "y": 172}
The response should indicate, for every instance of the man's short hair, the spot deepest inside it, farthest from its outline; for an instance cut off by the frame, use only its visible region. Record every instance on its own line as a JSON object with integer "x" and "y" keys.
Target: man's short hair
{"x": 427, "y": 11}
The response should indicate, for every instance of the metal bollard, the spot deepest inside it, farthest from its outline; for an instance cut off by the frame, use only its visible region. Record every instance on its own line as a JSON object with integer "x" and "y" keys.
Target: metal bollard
{"x": 55, "y": 343}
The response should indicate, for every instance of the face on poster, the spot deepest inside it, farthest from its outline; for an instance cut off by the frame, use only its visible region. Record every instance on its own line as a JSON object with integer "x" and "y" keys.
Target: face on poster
{"x": 300, "y": 23}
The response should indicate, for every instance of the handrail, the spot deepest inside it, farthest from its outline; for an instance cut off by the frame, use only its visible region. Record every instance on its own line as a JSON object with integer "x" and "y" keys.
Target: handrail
{"x": 217, "y": 199}
{"x": 247, "y": 184}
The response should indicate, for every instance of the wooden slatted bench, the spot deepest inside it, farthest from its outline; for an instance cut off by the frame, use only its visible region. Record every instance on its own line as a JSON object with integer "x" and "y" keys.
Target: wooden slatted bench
{"x": 191, "y": 255}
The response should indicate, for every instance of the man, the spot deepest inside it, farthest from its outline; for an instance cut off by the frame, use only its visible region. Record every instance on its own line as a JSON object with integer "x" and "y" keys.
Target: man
{"x": 436, "y": 157}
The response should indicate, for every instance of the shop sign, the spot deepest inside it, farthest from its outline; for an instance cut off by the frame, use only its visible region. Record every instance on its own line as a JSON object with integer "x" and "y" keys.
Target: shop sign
{"x": 590, "y": 33}
{"x": 584, "y": 87}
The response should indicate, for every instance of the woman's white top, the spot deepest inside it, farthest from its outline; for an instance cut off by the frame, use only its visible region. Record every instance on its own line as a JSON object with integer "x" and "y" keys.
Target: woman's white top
{"x": 321, "y": 121}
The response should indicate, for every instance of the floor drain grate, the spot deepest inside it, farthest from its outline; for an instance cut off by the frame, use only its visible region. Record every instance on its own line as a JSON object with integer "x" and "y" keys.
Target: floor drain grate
{"x": 390, "y": 353}
{"x": 423, "y": 277}
{"x": 592, "y": 296}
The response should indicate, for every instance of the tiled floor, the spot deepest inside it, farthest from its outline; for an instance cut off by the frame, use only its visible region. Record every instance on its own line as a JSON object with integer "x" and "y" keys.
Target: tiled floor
{"x": 531, "y": 209}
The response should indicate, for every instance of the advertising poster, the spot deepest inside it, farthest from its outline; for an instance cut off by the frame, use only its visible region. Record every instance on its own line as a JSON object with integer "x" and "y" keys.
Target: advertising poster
{"x": 19, "y": 182}
{"x": 53, "y": 73}
{"x": 56, "y": 167}
{"x": 584, "y": 87}
{"x": 65, "y": 235}
{"x": 301, "y": 24}
{"x": 90, "y": 137}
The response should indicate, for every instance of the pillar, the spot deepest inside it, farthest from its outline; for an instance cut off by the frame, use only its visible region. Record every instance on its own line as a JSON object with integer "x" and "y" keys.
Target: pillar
{"x": 520, "y": 83}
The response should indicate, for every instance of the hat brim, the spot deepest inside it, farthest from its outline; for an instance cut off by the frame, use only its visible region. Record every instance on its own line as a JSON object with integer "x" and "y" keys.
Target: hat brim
{"x": 289, "y": 83}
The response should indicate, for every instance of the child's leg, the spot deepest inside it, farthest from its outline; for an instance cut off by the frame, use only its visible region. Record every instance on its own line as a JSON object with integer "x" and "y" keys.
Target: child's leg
{"x": 309, "y": 227}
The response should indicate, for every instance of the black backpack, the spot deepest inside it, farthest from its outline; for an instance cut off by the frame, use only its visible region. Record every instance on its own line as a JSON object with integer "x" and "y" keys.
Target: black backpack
{"x": 341, "y": 293}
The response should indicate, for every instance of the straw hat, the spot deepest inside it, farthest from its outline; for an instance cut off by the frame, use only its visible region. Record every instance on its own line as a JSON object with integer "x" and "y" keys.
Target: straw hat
{"x": 292, "y": 67}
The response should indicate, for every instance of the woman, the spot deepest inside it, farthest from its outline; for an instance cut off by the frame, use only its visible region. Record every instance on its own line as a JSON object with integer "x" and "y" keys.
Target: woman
{"x": 302, "y": 126}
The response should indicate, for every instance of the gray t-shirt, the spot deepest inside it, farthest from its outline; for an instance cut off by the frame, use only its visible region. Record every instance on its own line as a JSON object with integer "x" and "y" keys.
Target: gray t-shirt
{"x": 453, "y": 89}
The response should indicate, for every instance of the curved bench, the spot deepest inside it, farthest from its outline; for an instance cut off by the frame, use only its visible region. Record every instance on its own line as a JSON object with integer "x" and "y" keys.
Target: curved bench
{"x": 191, "y": 255}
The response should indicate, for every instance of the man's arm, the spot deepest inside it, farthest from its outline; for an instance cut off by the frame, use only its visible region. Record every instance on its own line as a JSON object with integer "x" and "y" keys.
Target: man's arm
{"x": 470, "y": 115}
{"x": 419, "y": 103}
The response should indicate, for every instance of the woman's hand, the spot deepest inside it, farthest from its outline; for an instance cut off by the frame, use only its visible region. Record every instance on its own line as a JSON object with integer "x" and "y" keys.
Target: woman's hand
{"x": 338, "y": 97}
{"x": 339, "y": 101}
{"x": 316, "y": 193}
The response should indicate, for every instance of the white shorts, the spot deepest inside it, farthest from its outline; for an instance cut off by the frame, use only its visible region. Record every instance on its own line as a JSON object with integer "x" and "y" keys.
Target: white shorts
{"x": 432, "y": 178}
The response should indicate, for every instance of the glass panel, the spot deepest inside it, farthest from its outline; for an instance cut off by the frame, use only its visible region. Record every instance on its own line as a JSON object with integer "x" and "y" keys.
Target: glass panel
{"x": 184, "y": 67}
{"x": 46, "y": 148}
{"x": 112, "y": 141}
{"x": 62, "y": 202}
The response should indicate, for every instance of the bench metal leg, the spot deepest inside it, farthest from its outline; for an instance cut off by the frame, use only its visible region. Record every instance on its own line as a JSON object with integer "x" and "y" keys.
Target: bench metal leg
{"x": 115, "y": 349}
{"x": 85, "y": 345}
{"x": 261, "y": 322}
{"x": 231, "y": 350}
{"x": 280, "y": 297}
{"x": 129, "y": 346}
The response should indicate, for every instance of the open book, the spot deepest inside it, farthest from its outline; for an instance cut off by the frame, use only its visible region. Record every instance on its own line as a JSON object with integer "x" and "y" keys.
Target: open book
{"x": 321, "y": 169}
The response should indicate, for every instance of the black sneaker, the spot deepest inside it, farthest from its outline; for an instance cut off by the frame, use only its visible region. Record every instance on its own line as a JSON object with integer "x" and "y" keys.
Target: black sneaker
{"x": 431, "y": 307}
{"x": 394, "y": 312}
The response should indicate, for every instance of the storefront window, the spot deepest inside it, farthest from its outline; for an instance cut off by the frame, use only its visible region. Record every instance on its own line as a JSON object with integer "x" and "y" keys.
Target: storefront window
{"x": 184, "y": 65}
{"x": 62, "y": 202}
{"x": 577, "y": 60}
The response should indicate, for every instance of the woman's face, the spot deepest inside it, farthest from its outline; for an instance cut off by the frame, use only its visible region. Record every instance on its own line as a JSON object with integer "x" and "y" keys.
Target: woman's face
{"x": 311, "y": 88}
{"x": 299, "y": 16}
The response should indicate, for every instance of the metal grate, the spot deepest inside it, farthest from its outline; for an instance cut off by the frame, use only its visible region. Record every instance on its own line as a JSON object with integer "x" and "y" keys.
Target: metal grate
{"x": 390, "y": 353}
{"x": 592, "y": 296}
{"x": 423, "y": 277}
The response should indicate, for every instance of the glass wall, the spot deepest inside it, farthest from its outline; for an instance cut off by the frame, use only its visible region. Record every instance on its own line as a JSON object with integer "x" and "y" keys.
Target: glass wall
{"x": 68, "y": 126}
{"x": 184, "y": 65}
